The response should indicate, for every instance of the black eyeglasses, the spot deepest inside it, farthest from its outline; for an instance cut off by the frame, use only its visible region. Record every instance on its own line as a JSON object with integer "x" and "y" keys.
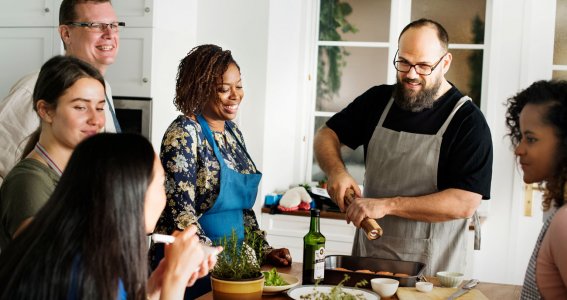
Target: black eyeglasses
{"x": 421, "y": 69}
{"x": 98, "y": 27}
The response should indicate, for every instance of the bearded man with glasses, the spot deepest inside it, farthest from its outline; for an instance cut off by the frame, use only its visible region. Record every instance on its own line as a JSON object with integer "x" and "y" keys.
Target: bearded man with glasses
{"x": 89, "y": 31}
{"x": 428, "y": 157}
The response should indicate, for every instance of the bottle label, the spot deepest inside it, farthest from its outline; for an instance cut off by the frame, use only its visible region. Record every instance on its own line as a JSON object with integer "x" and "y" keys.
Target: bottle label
{"x": 319, "y": 271}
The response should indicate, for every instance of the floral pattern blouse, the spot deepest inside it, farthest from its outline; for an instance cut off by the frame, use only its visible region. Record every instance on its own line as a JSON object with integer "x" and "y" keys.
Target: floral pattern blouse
{"x": 192, "y": 174}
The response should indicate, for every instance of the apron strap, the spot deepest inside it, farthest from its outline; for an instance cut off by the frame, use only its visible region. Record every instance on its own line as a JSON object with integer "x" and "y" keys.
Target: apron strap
{"x": 209, "y": 136}
{"x": 462, "y": 101}
{"x": 477, "y": 237}
{"x": 385, "y": 112}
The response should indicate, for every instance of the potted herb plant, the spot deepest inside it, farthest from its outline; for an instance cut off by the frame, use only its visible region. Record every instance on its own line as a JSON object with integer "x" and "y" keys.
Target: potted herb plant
{"x": 237, "y": 273}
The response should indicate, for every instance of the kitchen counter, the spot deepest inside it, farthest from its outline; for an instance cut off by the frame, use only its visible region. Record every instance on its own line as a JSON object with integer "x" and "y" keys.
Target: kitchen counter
{"x": 337, "y": 215}
{"x": 305, "y": 213}
{"x": 490, "y": 290}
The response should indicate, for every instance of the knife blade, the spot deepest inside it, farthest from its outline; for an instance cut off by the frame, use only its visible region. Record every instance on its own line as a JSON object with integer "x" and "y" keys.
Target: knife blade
{"x": 464, "y": 289}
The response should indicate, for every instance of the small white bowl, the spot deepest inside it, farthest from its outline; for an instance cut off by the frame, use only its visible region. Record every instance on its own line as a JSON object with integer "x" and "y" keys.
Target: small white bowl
{"x": 385, "y": 287}
{"x": 450, "y": 279}
{"x": 424, "y": 287}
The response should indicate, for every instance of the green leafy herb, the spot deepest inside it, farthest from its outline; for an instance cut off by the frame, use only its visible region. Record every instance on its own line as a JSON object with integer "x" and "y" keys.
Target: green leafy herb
{"x": 238, "y": 260}
{"x": 273, "y": 279}
{"x": 337, "y": 292}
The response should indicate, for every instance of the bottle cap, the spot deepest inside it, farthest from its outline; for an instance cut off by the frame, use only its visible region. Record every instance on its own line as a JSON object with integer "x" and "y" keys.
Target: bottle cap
{"x": 315, "y": 212}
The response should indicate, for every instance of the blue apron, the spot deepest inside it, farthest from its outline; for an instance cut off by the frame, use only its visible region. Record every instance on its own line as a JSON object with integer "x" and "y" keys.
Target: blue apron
{"x": 237, "y": 192}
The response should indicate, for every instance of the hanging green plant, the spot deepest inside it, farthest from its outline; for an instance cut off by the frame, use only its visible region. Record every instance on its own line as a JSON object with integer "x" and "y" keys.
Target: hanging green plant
{"x": 332, "y": 18}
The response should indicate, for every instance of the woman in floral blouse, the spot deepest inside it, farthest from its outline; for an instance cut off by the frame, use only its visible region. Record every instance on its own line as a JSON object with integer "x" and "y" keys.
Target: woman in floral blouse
{"x": 211, "y": 181}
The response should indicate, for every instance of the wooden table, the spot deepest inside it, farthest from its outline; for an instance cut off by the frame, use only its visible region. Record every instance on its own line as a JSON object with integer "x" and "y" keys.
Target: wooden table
{"x": 490, "y": 290}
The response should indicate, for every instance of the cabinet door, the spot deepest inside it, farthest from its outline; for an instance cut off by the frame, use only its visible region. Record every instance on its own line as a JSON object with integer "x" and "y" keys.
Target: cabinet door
{"x": 136, "y": 13}
{"x": 29, "y": 13}
{"x": 285, "y": 231}
{"x": 28, "y": 49}
{"x": 130, "y": 75}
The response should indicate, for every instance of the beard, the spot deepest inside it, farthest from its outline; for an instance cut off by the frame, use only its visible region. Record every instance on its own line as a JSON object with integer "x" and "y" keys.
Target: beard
{"x": 415, "y": 101}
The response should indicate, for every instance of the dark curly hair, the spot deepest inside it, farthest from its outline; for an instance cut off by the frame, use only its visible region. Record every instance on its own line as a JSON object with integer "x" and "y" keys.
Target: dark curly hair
{"x": 198, "y": 75}
{"x": 552, "y": 94}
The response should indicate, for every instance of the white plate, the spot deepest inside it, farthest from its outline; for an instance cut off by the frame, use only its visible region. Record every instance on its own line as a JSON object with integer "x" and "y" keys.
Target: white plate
{"x": 292, "y": 280}
{"x": 297, "y": 292}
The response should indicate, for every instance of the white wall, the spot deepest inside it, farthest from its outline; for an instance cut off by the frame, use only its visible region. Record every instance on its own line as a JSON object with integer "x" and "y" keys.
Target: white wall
{"x": 241, "y": 26}
{"x": 520, "y": 52}
{"x": 172, "y": 39}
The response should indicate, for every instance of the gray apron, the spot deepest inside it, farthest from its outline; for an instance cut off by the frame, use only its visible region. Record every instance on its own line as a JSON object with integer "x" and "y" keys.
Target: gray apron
{"x": 405, "y": 164}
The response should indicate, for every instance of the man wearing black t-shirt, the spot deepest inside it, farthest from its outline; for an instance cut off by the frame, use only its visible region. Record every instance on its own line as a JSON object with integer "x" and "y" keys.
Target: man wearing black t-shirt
{"x": 428, "y": 156}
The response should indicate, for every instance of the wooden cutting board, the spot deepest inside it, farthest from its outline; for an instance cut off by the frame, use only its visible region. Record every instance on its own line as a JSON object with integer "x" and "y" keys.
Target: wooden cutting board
{"x": 438, "y": 293}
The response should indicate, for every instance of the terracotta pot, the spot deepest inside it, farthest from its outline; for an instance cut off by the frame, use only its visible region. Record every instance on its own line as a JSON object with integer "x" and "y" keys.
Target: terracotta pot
{"x": 245, "y": 289}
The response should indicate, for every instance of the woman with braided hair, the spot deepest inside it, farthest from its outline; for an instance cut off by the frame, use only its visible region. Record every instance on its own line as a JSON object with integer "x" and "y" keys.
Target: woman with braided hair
{"x": 211, "y": 180}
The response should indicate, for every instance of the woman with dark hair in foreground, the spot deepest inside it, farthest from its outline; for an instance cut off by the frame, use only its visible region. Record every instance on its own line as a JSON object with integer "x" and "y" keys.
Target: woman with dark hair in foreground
{"x": 89, "y": 240}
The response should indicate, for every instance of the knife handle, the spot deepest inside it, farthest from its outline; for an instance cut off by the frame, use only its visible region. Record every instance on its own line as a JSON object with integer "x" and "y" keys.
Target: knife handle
{"x": 370, "y": 226}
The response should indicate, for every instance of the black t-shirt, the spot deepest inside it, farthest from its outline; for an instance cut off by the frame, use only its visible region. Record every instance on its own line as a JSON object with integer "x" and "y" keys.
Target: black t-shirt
{"x": 465, "y": 158}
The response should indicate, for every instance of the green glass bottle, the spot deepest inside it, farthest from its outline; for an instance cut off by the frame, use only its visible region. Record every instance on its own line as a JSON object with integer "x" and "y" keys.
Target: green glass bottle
{"x": 313, "y": 251}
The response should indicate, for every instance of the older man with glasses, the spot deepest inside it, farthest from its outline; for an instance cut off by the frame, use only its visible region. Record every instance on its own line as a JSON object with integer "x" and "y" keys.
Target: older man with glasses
{"x": 428, "y": 157}
{"x": 89, "y": 31}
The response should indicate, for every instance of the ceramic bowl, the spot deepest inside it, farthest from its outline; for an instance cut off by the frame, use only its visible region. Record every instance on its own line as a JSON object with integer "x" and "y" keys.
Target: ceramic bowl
{"x": 450, "y": 279}
{"x": 385, "y": 287}
{"x": 424, "y": 287}
{"x": 290, "y": 279}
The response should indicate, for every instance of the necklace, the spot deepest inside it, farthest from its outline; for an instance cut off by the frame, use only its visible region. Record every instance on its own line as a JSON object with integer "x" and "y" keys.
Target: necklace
{"x": 40, "y": 150}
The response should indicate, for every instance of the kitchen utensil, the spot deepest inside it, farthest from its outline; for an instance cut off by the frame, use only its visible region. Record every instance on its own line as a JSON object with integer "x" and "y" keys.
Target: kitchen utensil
{"x": 464, "y": 289}
{"x": 162, "y": 238}
{"x": 424, "y": 287}
{"x": 438, "y": 293}
{"x": 168, "y": 239}
{"x": 450, "y": 279}
{"x": 370, "y": 226}
{"x": 350, "y": 264}
{"x": 385, "y": 287}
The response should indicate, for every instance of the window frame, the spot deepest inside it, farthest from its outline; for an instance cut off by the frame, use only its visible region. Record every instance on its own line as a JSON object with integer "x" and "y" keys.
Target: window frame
{"x": 400, "y": 16}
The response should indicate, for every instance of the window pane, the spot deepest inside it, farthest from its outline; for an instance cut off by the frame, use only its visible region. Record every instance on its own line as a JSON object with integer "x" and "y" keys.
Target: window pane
{"x": 344, "y": 73}
{"x": 463, "y": 19}
{"x": 466, "y": 72}
{"x": 559, "y": 75}
{"x": 560, "y": 50}
{"x": 354, "y": 159}
{"x": 354, "y": 20}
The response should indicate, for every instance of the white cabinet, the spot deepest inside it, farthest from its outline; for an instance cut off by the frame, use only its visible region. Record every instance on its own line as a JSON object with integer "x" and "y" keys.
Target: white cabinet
{"x": 24, "y": 51}
{"x": 29, "y": 13}
{"x": 136, "y": 13}
{"x": 285, "y": 231}
{"x": 43, "y": 13}
{"x": 130, "y": 75}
